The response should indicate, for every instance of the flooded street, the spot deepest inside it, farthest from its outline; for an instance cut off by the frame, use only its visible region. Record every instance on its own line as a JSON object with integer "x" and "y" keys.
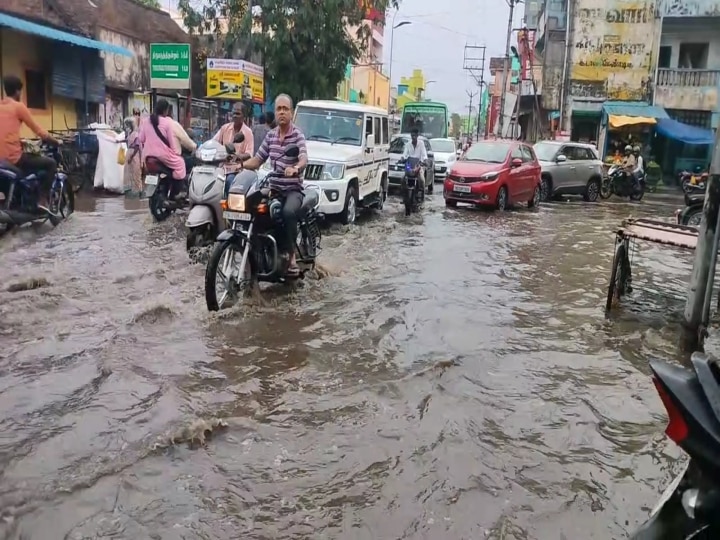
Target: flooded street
{"x": 454, "y": 376}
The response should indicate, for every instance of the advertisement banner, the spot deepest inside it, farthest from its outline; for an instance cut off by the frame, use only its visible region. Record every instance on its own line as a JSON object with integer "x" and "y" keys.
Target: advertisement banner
{"x": 235, "y": 80}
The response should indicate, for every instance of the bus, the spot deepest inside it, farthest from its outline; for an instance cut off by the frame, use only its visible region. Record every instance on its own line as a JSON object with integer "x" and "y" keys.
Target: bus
{"x": 431, "y": 119}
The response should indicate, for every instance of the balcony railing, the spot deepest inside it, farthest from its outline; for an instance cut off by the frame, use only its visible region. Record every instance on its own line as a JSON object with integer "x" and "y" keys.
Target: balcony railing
{"x": 688, "y": 77}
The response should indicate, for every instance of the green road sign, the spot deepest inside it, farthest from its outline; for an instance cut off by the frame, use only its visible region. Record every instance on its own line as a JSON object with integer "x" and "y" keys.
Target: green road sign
{"x": 170, "y": 65}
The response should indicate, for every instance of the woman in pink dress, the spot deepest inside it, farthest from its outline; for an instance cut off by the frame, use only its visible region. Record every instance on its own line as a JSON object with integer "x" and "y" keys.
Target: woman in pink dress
{"x": 157, "y": 141}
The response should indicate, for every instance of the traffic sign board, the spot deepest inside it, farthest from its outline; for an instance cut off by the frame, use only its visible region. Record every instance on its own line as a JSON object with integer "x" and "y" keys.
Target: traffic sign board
{"x": 170, "y": 65}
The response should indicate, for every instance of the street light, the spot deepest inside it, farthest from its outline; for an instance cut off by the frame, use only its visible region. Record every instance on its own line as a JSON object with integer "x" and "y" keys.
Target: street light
{"x": 392, "y": 35}
{"x": 425, "y": 89}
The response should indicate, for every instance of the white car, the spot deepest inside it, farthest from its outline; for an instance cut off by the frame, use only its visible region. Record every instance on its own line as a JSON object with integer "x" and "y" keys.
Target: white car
{"x": 347, "y": 145}
{"x": 445, "y": 157}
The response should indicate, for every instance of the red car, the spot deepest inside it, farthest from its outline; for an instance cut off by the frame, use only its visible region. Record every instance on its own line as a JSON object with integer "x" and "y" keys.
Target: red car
{"x": 494, "y": 173}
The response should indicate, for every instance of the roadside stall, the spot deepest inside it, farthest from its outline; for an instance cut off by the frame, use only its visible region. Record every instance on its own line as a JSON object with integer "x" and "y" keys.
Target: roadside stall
{"x": 682, "y": 147}
{"x": 626, "y": 123}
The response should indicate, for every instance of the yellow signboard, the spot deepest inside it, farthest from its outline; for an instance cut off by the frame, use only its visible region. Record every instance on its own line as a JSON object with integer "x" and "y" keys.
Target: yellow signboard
{"x": 234, "y": 79}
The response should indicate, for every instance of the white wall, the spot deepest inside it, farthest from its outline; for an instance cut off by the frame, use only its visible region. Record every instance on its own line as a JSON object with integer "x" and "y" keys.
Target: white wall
{"x": 692, "y": 30}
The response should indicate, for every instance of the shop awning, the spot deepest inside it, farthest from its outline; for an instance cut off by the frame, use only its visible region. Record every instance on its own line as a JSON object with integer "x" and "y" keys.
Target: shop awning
{"x": 27, "y": 27}
{"x": 684, "y": 132}
{"x": 618, "y": 121}
{"x": 634, "y": 108}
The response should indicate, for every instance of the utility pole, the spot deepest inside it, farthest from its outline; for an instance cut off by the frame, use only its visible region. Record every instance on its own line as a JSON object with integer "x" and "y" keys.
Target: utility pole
{"x": 506, "y": 67}
{"x": 471, "y": 95}
{"x": 697, "y": 306}
{"x": 474, "y": 63}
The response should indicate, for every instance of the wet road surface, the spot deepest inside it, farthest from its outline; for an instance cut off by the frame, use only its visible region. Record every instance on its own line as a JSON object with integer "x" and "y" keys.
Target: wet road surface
{"x": 453, "y": 377}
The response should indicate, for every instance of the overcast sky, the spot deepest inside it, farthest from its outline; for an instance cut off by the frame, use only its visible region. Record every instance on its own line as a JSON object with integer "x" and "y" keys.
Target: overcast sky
{"x": 436, "y": 39}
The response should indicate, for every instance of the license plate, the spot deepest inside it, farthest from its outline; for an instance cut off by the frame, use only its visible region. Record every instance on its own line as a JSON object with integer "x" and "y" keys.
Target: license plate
{"x": 237, "y": 216}
{"x": 670, "y": 490}
{"x": 396, "y": 174}
{"x": 438, "y": 169}
{"x": 151, "y": 180}
{"x": 462, "y": 189}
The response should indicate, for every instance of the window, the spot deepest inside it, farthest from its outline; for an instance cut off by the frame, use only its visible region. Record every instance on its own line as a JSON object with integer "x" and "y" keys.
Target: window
{"x": 385, "y": 130}
{"x": 368, "y": 126}
{"x": 330, "y": 125}
{"x": 376, "y": 126}
{"x": 569, "y": 152}
{"x": 664, "y": 56}
{"x": 693, "y": 55}
{"x": 526, "y": 154}
{"x": 35, "y": 90}
{"x": 516, "y": 153}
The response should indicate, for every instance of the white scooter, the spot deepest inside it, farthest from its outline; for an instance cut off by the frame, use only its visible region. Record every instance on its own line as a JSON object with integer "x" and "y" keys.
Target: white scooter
{"x": 207, "y": 190}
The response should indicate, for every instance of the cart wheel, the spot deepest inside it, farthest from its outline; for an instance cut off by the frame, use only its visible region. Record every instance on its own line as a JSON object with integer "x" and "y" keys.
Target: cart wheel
{"x": 620, "y": 278}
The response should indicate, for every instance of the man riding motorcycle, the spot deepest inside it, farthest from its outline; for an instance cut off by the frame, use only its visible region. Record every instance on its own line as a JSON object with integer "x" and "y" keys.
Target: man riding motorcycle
{"x": 639, "y": 170}
{"x": 226, "y": 135}
{"x": 289, "y": 187}
{"x": 13, "y": 114}
{"x": 629, "y": 163}
{"x": 416, "y": 149}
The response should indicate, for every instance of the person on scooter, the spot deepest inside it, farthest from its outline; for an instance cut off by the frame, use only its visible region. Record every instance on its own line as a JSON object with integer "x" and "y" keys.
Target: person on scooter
{"x": 13, "y": 114}
{"x": 157, "y": 139}
{"x": 226, "y": 134}
{"x": 416, "y": 149}
{"x": 639, "y": 171}
{"x": 289, "y": 186}
{"x": 629, "y": 163}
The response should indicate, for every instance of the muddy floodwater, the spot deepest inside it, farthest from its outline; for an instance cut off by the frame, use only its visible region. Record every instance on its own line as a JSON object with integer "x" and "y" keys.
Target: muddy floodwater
{"x": 452, "y": 377}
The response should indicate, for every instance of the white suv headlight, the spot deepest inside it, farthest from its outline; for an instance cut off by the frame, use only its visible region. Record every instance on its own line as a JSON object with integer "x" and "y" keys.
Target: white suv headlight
{"x": 333, "y": 171}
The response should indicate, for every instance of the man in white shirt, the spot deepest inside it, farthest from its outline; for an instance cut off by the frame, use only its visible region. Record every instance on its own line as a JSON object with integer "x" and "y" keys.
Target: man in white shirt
{"x": 639, "y": 170}
{"x": 416, "y": 149}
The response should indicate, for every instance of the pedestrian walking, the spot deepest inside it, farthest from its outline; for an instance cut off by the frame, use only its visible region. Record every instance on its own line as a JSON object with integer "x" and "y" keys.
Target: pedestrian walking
{"x": 133, "y": 162}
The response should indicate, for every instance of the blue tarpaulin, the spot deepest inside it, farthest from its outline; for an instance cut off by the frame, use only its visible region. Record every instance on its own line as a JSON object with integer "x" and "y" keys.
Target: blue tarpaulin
{"x": 684, "y": 132}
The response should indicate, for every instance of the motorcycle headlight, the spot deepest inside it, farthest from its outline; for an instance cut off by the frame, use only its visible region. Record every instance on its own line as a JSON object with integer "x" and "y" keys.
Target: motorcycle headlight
{"x": 236, "y": 202}
{"x": 333, "y": 172}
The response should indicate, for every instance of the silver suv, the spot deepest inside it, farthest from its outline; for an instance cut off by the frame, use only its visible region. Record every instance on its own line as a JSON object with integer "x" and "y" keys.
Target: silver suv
{"x": 569, "y": 168}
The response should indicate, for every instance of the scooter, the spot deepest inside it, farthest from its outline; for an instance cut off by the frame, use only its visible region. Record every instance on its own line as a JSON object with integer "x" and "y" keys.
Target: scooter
{"x": 413, "y": 194}
{"x": 208, "y": 187}
{"x": 689, "y": 507}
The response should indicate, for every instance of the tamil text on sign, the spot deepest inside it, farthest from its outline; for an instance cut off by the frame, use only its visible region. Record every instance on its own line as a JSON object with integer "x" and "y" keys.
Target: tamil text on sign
{"x": 235, "y": 79}
{"x": 170, "y": 65}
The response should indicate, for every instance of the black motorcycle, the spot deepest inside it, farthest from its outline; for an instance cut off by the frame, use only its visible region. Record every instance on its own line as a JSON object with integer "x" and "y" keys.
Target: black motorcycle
{"x": 621, "y": 183}
{"x": 413, "y": 194}
{"x": 692, "y": 213}
{"x": 689, "y": 506}
{"x": 247, "y": 251}
{"x": 20, "y": 194}
{"x": 163, "y": 200}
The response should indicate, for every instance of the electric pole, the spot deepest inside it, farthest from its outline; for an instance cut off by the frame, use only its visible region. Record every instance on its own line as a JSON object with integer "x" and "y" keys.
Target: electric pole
{"x": 506, "y": 67}
{"x": 474, "y": 63}
{"x": 471, "y": 95}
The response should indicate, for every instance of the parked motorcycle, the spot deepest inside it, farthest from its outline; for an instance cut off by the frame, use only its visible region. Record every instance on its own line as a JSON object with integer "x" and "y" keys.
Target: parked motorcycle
{"x": 413, "y": 194}
{"x": 693, "y": 181}
{"x": 247, "y": 251}
{"x": 689, "y": 506}
{"x": 622, "y": 184}
{"x": 158, "y": 188}
{"x": 19, "y": 203}
{"x": 692, "y": 213}
{"x": 208, "y": 188}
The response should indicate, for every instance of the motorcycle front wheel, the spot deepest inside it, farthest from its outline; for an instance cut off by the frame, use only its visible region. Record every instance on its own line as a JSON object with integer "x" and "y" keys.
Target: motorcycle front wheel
{"x": 223, "y": 286}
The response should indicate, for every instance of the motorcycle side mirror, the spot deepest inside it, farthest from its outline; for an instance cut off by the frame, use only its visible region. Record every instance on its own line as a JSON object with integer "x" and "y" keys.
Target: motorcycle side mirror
{"x": 230, "y": 148}
{"x": 239, "y": 138}
{"x": 292, "y": 151}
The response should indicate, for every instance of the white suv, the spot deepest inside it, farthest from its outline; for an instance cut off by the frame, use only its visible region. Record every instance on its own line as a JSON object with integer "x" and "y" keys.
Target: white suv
{"x": 347, "y": 145}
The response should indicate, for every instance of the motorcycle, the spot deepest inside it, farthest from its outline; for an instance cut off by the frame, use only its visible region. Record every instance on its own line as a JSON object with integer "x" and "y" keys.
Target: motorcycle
{"x": 693, "y": 181}
{"x": 692, "y": 213}
{"x": 246, "y": 253}
{"x": 158, "y": 188}
{"x": 20, "y": 204}
{"x": 622, "y": 184}
{"x": 689, "y": 506}
{"x": 208, "y": 187}
{"x": 413, "y": 194}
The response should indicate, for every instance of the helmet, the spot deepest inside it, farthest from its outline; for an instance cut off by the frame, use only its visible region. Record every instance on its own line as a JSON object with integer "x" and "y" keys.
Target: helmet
{"x": 636, "y": 149}
{"x": 628, "y": 148}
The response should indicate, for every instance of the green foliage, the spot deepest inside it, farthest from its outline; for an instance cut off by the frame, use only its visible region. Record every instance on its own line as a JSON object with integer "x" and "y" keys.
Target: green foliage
{"x": 149, "y": 3}
{"x": 456, "y": 124}
{"x": 305, "y": 44}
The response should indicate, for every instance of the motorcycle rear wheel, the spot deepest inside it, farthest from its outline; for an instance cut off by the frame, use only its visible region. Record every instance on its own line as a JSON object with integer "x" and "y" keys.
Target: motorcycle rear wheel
{"x": 225, "y": 262}
{"x": 156, "y": 202}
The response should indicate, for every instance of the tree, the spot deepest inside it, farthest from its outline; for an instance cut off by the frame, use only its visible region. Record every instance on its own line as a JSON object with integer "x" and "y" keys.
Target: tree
{"x": 456, "y": 124}
{"x": 305, "y": 44}
{"x": 149, "y": 3}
